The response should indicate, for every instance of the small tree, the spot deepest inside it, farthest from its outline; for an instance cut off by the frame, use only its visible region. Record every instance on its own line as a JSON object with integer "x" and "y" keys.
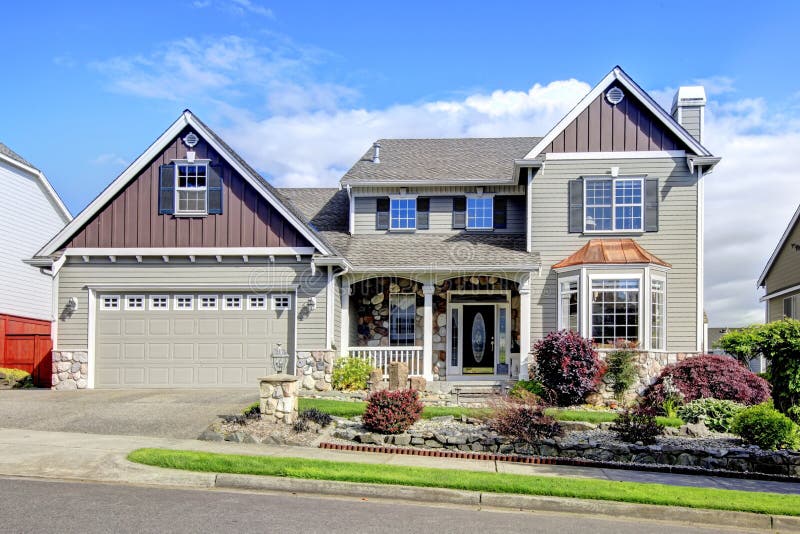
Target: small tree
{"x": 621, "y": 369}
{"x": 741, "y": 343}
{"x": 567, "y": 366}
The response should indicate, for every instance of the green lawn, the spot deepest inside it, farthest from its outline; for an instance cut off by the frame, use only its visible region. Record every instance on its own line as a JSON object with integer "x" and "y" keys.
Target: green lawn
{"x": 352, "y": 409}
{"x": 634, "y": 492}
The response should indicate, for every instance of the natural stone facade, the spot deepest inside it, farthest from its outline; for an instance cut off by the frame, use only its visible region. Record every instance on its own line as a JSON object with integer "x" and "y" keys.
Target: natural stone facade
{"x": 314, "y": 368}
{"x": 278, "y": 398}
{"x": 70, "y": 369}
{"x": 648, "y": 366}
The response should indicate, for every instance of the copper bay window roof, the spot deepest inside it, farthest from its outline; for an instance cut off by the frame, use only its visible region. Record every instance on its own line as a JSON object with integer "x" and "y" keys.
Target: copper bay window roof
{"x": 610, "y": 251}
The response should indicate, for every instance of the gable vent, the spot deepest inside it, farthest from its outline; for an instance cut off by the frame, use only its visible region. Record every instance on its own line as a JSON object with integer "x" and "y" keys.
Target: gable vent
{"x": 615, "y": 96}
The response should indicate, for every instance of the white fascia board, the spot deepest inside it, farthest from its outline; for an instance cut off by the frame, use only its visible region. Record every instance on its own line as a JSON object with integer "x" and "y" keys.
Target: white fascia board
{"x": 59, "y": 204}
{"x": 645, "y": 154}
{"x": 486, "y": 269}
{"x": 425, "y": 183}
{"x": 617, "y": 74}
{"x": 186, "y": 119}
{"x": 613, "y": 267}
{"x": 196, "y": 251}
{"x": 778, "y": 249}
{"x": 206, "y": 286}
{"x": 779, "y": 293}
{"x": 706, "y": 162}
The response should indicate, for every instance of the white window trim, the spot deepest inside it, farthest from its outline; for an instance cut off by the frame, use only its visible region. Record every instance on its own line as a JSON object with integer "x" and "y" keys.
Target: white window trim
{"x": 644, "y": 334}
{"x": 613, "y": 180}
{"x": 110, "y": 308}
{"x": 274, "y": 302}
{"x": 180, "y": 308}
{"x": 414, "y": 320}
{"x": 198, "y": 162}
{"x": 250, "y": 305}
{"x": 466, "y": 214}
{"x": 207, "y": 308}
{"x": 129, "y": 307}
{"x": 402, "y": 197}
{"x": 225, "y": 305}
{"x": 663, "y": 279}
{"x": 151, "y": 299}
{"x": 561, "y": 280}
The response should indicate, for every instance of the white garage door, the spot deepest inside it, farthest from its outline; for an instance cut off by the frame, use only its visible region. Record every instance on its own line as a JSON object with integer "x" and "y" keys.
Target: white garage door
{"x": 189, "y": 339}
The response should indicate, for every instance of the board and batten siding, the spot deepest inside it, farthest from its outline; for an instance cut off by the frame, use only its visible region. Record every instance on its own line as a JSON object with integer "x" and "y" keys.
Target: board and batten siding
{"x": 258, "y": 274}
{"x": 440, "y": 220}
{"x": 30, "y": 218}
{"x": 785, "y": 271}
{"x": 675, "y": 242}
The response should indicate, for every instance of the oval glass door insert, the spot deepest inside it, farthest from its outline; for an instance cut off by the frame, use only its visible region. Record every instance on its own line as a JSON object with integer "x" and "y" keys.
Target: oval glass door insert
{"x": 478, "y": 337}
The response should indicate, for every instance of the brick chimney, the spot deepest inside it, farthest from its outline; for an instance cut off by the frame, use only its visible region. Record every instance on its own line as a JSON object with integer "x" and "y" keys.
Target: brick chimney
{"x": 688, "y": 108}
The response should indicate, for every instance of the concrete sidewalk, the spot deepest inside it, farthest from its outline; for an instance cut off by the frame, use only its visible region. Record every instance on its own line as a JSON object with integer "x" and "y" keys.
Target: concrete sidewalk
{"x": 102, "y": 458}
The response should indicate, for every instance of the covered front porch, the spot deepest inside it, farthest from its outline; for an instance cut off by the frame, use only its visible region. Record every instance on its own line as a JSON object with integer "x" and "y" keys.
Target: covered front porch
{"x": 466, "y": 327}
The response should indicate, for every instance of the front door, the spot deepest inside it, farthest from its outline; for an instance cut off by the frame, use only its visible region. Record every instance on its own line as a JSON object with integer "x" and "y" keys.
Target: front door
{"x": 477, "y": 339}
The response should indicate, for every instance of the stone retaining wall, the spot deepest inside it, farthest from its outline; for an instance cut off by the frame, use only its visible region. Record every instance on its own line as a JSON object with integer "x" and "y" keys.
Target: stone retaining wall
{"x": 314, "y": 368}
{"x": 70, "y": 369}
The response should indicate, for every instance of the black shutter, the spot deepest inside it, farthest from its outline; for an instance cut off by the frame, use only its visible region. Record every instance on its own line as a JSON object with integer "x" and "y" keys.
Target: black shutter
{"x": 576, "y": 206}
{"x": 500, "y": 212}
{"x": 214, "y": 189}
{"x": 459, "y": 213}
{"x": 423, "y": 213}
{"x": 382, "y": 214}
{"x": 651, "y": 205}
{"x": 166, "y": 189}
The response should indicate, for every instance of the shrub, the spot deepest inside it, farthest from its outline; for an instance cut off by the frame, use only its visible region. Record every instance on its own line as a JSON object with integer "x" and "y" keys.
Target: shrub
{"x": 766, "y": 427}
{"x": 719, "y": 377}
{"x": 253, "y": 411}
{"x": 718, "y": 413}
{"x": 312, "y": 414}
{"x": 567, "y": 366}
{"x": 621, "y": 369}
{"x": 534, "y": 387}
{"x": 16, "y": 378}
{"x": 392, "y": 412}
{"x": 301, "y": 425}
{"x": 350, "y": 374}
{"x": 638, "y": 425}
{"x": 524, "y": 422}
{"x": 779, "y": 342}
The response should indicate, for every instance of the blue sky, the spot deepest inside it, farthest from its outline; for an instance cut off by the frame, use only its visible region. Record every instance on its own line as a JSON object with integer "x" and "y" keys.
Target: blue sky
{"x": 301, "y": 88}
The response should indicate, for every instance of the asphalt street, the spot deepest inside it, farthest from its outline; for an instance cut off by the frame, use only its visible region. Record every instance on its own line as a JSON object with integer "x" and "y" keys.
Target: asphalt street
{"x": 66, "y": 507}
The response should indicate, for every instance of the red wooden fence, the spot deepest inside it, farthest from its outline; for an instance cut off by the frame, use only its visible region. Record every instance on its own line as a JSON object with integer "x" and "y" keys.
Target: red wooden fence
{"x": 25, "y": 344}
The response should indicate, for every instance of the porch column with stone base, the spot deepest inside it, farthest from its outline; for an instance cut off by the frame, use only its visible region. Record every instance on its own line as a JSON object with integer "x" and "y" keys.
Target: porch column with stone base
{"x": 279, "y": 398}
{"x": 427, "y": 333}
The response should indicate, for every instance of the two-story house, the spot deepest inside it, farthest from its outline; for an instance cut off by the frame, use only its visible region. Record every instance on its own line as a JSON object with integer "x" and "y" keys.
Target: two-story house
{"x": 452, "y": 255}
{"x": 781, "y": 275}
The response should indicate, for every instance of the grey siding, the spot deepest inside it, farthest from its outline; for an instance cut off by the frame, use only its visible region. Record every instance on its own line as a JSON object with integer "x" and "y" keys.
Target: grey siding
{"x": 785, "y": 271}
{"x": 440, "y": 221}
{"x": 690, "y": 120}
{"x": 75, "y": 276}
{"x": 675, "y": 242}
{"x": 775, "y": 306}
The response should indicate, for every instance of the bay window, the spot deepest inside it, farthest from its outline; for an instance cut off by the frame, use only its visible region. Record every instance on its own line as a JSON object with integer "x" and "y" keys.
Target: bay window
{"x": 614, "y": 314}
{"x": 568, "y": 304}
{"x": 658, "y": 304}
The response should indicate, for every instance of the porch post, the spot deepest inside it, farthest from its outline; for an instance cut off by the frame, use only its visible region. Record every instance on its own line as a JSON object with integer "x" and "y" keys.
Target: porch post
{"x": 345, "y": 326}
{"x": 427, "y": 333}
{"x": 524, "y": 326}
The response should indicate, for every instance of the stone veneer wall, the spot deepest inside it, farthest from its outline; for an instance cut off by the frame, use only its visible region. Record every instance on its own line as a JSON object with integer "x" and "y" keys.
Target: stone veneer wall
{"x": 314, "y": 369}
{"x": 648, "y": 366}
{"x": 70, "y": 370}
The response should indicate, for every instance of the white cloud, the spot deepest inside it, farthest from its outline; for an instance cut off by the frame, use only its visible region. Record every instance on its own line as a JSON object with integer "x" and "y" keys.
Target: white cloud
{"x": 112, "y": 160}
{"x": 238, "y": 7}
{"x": 301, "y": 131}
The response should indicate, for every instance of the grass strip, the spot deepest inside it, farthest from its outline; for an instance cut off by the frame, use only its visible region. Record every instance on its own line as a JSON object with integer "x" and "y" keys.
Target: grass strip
{"x": 341, "y": 408}
{"x": 631, "y": 492}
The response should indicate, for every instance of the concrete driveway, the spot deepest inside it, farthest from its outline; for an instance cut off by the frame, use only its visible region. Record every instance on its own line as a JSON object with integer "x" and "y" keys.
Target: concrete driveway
{"x": 141, "y": 412}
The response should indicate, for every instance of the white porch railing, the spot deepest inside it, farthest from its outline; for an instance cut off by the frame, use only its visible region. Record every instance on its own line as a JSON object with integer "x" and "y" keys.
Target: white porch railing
{"x": 381, "y": 357}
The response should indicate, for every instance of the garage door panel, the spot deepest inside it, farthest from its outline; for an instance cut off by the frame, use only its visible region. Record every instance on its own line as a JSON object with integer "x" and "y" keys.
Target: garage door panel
{"x": 186, "y": 348}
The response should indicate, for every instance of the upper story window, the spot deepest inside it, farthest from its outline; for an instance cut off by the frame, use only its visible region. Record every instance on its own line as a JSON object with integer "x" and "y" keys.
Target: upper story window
{"x": 480, "y": 213}
{"x": 613, "y": 205}
{"x": 403, "y": 213}
{"x": 191, "y": 189}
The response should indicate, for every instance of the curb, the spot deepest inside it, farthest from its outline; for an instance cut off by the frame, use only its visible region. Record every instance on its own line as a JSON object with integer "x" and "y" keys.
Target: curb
{"x": 529, "y": 503}
{"x": 557, "y": 460}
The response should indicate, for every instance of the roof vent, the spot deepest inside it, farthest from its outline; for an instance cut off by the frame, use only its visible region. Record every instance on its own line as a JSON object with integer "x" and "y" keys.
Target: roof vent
{"x": 376, "y": 155}
{"x": 614, "y": 96}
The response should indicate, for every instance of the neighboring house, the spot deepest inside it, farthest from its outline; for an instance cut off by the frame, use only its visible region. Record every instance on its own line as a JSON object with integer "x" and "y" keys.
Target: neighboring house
{"x": 781, "y": 276}
{"x": 452, "y": 255}
{"x": 757, "y": 364}
{"x": 32, "y": 213}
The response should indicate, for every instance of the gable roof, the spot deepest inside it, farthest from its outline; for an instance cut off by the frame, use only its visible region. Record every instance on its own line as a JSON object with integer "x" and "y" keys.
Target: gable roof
{"x": 620, "y": 76}
{"x": 187, "y": 118}
{"x": 611, "y": 251}
{"x": 786, "y": 233}
{"x": 461, "y": 160}
{"x": 12, "y": 158}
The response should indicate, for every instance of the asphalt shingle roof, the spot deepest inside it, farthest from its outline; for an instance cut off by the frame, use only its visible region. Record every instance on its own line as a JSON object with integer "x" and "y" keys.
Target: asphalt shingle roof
{"x": 488, "y": 159}
{"x": 13, "y": 155}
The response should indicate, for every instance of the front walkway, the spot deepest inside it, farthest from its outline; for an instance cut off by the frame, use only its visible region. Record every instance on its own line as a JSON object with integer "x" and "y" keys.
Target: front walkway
{"x": 168, "y": 413}
{"x": 101, "y": 458}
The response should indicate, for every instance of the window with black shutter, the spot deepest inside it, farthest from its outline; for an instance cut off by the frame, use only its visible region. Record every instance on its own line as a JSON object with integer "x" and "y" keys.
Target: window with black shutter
{"x": 166, "y": 189}
{"x": 500, "y": 212}
{"x": 382, "y": 214}
{"x": 459, "y": 213}
{"x": 423, "y": 213}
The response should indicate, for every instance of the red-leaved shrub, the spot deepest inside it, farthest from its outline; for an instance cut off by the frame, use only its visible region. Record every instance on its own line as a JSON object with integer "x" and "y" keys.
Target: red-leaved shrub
{"x": 524, "y": 421}
{"x": 392, "y": 412}
{"x": 567, "y": 366}
{"x": 709, "y": 375}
